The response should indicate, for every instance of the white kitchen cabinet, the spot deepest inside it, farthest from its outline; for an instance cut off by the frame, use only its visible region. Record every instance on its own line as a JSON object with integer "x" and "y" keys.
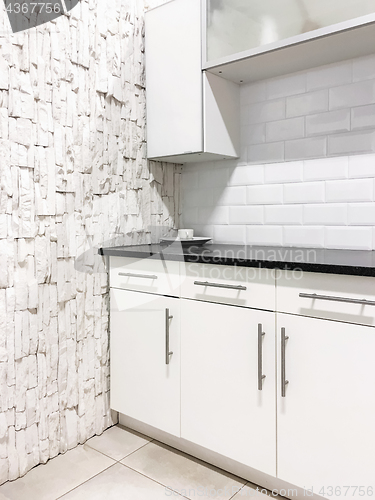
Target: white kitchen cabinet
{"x": 248, "y": 41}
{"x": 191, "y": 115}
{"x": 145, "y": 379}
{"x": 325, "y": 433}
{"x": 222, "y": 407}
{"x": 210, "y": 394}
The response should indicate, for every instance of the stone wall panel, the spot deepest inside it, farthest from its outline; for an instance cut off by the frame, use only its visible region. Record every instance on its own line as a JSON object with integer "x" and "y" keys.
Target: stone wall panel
{"x": 74, "y": 176}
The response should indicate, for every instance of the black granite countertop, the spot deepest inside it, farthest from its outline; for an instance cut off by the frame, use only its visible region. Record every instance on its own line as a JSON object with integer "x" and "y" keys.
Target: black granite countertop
{"x": 317, "y": 260}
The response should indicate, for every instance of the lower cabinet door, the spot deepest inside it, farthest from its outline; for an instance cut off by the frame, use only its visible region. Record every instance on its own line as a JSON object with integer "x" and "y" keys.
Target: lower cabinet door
{"x": 326, "y": 421}
{"x": 145, "y": 378}
{"x": 222, "y": 408}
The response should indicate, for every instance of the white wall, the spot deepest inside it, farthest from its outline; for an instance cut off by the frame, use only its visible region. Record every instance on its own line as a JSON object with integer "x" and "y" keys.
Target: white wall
{"x": 306, "y": 176}
{"x": 73, "y": 176}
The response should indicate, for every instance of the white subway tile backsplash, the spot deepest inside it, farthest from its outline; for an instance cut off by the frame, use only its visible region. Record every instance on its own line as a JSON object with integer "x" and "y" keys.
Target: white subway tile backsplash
{"x": 233, "y": 234}
{"x": 362, "y": 166}
{"x": 264, "y": 235}
{"x": 354, "y": 94}
{"x": 325, "y": 168}
{"x": 265, "y": 195}
{"x": 363, "y": 117}
{"x": 351, "y": 190}
{"x": 253, "y": 92}
{"x": 307, "y": 192}
{"x": 300, "y": 149}
{"x": 351, "y": 142}
{"x": 190, "y": 178}
{"x": 244, "y": 115}
{"x": 306, "y": 173}
{"x": 265, "y": 153}
{"x": 306, "y": 104}
{"x": 253, "y": 134}
{"x": 198, "y": 197}
{"x": 364, "y": 68}
{"x": 283, "y": 214}
{"x": 213, "y": 215}
{"x": 355, "y": 238}
{"x": 246, "y": 215}
{"x": 291, "y": 128}
{"x": 335, "y": 214}
{"x": 243, "y": 176}
{"x": 286, "y": 85}
{"x": 361, "y": 214}
{"x": 291, "y": 171}
{"x": 329, "y": 75}
{"x": 213, "y": 176}
{"x": 232, "y": 195}
{"x": 266, "y": 111}
{"x": 190, "y": 216}
{"x": 303, "y": 236}
{"x": 328, "y": 123}
{"x": 204, "y": 230}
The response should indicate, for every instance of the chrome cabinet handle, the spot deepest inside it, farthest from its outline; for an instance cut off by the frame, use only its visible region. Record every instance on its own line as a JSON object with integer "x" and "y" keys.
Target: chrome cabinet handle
{"x": 220, "y": 285}
{"x": 337, "y": 299}
{"x": 168, "y": 353}
{"x": 261, "y": 377}
{"x": 134, "y": 275}
{"x": 284, "y": 382}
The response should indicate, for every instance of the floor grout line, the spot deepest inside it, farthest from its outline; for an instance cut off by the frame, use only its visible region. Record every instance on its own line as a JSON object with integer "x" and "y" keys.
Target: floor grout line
{"x": 154, "y": 480}
{"x": 169, "y": 488}
{"x": 135, "y": 451}
{"x": 243, "y": 486}
{"x": 87, "y": 480}
{"x": 101, "y": 452}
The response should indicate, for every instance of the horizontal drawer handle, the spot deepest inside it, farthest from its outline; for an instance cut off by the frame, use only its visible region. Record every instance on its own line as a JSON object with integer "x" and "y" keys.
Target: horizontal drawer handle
{"x": 219, "y": 285}
{"x": 337, "y": 299}
{"x": 134, "y": 275}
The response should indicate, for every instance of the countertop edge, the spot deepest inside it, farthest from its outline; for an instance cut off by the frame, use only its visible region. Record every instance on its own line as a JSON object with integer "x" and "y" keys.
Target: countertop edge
{"x": 325, "y": 268}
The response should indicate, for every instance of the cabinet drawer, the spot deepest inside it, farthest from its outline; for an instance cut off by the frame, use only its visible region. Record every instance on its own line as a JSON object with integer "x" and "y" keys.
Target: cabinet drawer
{"x": 343, "y": 298}
{"x": 145, "y": 275}
{"x": 239, "y": 286}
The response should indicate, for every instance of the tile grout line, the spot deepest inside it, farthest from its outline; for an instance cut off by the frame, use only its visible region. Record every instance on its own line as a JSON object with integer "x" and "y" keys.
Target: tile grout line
{"x": 108, "y": 456}
{"x": 126, "y": 456}
{"x": 135, "y": 451}
{"x": 238, "y": 492}
{"x": 154, "y": 480}
{"x": 87, "y": 480}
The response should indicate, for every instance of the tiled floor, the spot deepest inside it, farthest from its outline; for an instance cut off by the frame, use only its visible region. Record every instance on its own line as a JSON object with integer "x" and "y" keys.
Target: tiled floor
{"x": 123, "y": 465}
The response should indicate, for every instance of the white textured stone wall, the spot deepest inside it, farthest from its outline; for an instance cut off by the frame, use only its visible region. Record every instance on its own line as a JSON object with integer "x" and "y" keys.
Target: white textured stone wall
{"x": 73, "y": 175}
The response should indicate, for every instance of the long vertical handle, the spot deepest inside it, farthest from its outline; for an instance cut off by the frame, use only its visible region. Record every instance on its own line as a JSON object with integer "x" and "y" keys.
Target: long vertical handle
{"x": 284, "y": 382}
{"x": 168, "y": 353}
{"x": 260, "y": 357}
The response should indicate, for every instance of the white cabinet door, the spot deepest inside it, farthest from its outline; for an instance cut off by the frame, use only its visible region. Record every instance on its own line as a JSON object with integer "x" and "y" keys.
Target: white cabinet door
{"x": 221, "y": 406}
{"x": 326, "y": 431}
{"x": 143, "y": 385}
{"x": 174, "y": 79}
{"x": 191, "y": 116}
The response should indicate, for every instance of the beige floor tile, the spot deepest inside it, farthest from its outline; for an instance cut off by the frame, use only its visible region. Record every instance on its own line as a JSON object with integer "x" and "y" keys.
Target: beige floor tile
{"x": 58, "y": 476}
{"x": 120, "y": 483}
{"x": 182, "y": 473}
{"x": 118, "y": 442}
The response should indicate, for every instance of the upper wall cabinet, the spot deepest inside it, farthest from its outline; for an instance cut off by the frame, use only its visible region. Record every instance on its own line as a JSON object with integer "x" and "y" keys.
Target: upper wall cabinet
{"x": 199, "y": 51}
{"x": 247, "y": 40}
{"x": 191, "y": 115}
